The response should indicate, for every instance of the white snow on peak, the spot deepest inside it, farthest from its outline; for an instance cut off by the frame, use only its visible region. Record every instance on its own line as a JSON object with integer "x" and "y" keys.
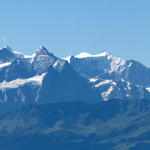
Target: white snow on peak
{"x": 30, "y": 56}
{"x": 117, "y": 64}
{"x": 85, "y": 55}
{"x": 17, "y": 53}
{"x": 36, "y": 80}
{"x": 5, "y": 64}
{"x": 67, "y": 58}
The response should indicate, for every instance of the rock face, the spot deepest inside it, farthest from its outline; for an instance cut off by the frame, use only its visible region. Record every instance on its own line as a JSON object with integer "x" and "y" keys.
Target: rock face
{"x": 63, "y": 83}
{"x": 85, "y": 77}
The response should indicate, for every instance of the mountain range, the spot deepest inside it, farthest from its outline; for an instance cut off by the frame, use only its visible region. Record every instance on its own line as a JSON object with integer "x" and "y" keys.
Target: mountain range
{"x": 79, "y": 102}
{"x": 90, "y": 78}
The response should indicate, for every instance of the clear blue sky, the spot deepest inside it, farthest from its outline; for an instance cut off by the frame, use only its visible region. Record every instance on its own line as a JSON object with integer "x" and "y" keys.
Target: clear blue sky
{"x": 121, "y": 27}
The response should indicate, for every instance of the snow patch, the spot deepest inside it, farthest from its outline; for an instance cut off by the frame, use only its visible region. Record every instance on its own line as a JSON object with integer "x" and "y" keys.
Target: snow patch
{"x": 130, "y": 65}
{"x": 55, "y": 64}
{"x": 93, "y": 79}
{"x": 30, "y": 57}
{"x": 105, "y": 82}
{"x": 148, "y": 89}
{"x": 5, "y": 64}
{"x": 36, "y": 80}
{"x": 107, "y": 93}
{"x": 128, "y": 83}
{"x": 128, "y": 86}
{"x": 17, "y": 53}
{"x": 117, "y": 64}
{"x": 67, "y": 58}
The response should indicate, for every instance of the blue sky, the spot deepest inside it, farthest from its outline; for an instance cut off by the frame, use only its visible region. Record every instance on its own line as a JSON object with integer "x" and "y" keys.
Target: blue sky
{"x": 67, "y": 27}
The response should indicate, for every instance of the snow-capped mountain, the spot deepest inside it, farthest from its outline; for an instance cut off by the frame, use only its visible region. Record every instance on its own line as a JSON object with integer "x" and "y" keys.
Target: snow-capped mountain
{"x": 22, "y": 75}
{"x": 113, "y": 77}
{"x": 38, "y": 78}
{"x": 102, "y": 65}
{"x": 43, "y": 77}
{"x": 107, "y": 66}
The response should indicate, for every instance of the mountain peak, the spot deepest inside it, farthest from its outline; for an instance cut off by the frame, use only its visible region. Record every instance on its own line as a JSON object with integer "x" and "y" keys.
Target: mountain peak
{"x": 6, "y": 47}
{"x": 42, "y": 51}
{"x": 6, "y": 54}
{"x": 42, "y": 47}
